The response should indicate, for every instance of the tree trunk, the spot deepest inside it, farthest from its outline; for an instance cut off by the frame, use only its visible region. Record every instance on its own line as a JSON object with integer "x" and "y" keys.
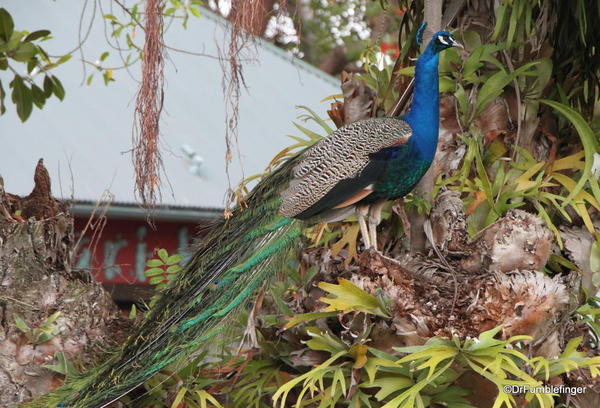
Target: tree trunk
{"x": 433, "y": 18}
{"x": 46, "y": 308}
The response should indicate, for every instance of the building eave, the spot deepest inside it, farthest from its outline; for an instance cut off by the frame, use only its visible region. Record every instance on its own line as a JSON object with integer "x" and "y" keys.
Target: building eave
{"x": 133, "y": 211}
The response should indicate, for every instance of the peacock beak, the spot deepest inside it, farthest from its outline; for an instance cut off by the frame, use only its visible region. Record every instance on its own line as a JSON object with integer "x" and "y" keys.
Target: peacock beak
{"x": 456, "y": 43}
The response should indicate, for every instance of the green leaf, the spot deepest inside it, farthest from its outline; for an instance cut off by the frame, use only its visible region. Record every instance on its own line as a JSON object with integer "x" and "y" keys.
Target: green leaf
{"x": 543, "y": 74}
{"x": 461, "y": 98}
{"x": 412, "y": 397}
{"x": 155, "y": 280}
{"x": 307, "y": 317}
{"x": 14, "y": 41}
{"x": 154, "y": 263}
{"x": 205, "y": 398}
{"x": 494, "y": 86}
{"x": 7, "y": 25}
{"x": 314, "y": 137}
{"x": 174, "y": 269}
{"x": 173, "y": 259}
{"x": 50, "y": 320}
{"x": 433, "y": 353}
{"x": 306, "y": 378}
{"x": 483, "y": 180}
{"x": 43, "y": 55}
{"x": 57, "y": 88}
{"x": 63, "y": 59}
{"x": 48, "y": 86}
{"x": 133, "y": 312}
{"x": 475, "y": 61}
{"x": 169, "y": 12}
{"x": 313, "y": 116}
{"x": 32, "y": 64}
{"x": 153, "y": 271}
{"x": 587, "y": 139}
{"x": 595, "y": 263}
{"x": 104, "y": 56}
{"x": 39, "y": 99}
{"x": 389, "y": 385}
{"x": 25, "y": 52}
{"x": 491, "y": 89}
{"x": 332, "y": 97}
{"x": 471, "y": 39}
{"x": 22, "y": 98}
{"x": 2, "y": 97}
{"x": 350, "y": 298}
{"x": 485, "y": 340}
{"x": 43, "y": 337}
{"x": 36, "y": 35}
{"x": 21, "y": 325}
{"x": 324, "y": 341}
{"x": 453, "y": 397}
{"x": 63, "y": 366}
{"x": 512, "y": 26}
{"x": 500, "y": 20}
{"x": 195, "y": 12}
{"x": 447, "y": 84}
{"x": 179, "y": 397}
{"x": 163, "y": 255}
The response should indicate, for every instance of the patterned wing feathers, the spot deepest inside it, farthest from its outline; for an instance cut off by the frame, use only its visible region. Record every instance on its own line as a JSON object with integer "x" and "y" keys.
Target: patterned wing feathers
{"x": 341, "y": 155}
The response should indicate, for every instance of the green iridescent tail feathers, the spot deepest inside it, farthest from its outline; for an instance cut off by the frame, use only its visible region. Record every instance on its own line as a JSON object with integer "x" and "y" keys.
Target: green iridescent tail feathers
{"x": 233, "y": 260}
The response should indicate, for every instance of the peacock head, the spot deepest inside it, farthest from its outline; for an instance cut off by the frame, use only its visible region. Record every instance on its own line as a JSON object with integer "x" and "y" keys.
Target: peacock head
{"x": 443, "y": 40}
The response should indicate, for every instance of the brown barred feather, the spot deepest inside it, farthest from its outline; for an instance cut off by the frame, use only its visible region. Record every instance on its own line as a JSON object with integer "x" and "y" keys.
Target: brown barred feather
{"x": 341, "y": 155}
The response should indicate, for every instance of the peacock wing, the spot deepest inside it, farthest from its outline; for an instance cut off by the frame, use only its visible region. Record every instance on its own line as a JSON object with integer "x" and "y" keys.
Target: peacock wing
{"x": 340, "y": 167}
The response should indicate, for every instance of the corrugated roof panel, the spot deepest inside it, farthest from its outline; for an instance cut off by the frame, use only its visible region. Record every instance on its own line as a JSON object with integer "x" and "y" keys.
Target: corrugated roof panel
{"x": 85, "y": 139}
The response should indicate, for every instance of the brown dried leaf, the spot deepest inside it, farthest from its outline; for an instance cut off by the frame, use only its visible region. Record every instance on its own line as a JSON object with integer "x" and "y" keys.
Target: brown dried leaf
{"x": 348, "y": 239}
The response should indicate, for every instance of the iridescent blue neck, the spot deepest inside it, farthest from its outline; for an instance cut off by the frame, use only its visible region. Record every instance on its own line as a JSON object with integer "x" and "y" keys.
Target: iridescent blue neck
{"x": 424, "y": 114}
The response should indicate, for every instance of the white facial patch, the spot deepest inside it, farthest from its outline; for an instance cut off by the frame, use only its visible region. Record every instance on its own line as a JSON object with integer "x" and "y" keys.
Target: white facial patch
{"x": 442, "y": 40}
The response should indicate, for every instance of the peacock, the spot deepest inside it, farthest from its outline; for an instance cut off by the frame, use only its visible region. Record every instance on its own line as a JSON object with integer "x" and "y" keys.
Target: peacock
{"x": 354, "y": 170}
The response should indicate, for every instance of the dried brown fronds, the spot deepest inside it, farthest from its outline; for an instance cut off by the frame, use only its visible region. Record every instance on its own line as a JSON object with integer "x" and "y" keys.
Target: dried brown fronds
{"x": 248, "y": 19}
{"x": 149, "y": 103}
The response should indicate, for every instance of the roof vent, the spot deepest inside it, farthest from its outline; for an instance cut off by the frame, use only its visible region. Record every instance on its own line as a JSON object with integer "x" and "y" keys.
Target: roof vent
{"x": 193, "y": 160}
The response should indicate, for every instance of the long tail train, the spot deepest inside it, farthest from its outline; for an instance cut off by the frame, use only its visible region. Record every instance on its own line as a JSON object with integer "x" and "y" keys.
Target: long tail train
{"x": 233, "y": 260}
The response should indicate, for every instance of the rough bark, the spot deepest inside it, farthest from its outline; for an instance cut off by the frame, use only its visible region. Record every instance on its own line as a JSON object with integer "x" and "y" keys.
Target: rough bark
{"x": 37, "y": 281}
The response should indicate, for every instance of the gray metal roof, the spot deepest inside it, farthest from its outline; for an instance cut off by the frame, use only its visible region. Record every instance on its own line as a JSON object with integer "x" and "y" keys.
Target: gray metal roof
{"x": 84, "y": 139}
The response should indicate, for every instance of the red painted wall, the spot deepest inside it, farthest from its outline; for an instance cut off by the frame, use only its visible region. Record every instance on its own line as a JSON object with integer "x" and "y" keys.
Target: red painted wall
{"x": 119, "y": 255}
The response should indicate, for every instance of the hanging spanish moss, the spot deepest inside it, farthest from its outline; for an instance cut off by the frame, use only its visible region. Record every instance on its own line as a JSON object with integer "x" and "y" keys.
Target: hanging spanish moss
{"x": 247, "y": 19}
{"x": 149, "y": 103}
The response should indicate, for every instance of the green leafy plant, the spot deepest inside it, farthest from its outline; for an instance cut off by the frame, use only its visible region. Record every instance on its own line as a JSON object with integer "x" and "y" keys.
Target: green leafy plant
{"x": 519, "y": 182}
{"x": 589, "y": 315}
{"x": 182, "y": 385}
{"x": 425, "y": 375}
{"x": 42, "y": 334}
{"x": 22, "y": 47}
{"x": 62, "y": 366}
{"x": 162, "y": 270}
{"x": 347, "y": 297}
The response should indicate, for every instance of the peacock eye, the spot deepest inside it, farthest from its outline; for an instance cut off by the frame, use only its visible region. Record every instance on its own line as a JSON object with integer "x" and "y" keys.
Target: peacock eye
{"x": 443, "y": 40}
